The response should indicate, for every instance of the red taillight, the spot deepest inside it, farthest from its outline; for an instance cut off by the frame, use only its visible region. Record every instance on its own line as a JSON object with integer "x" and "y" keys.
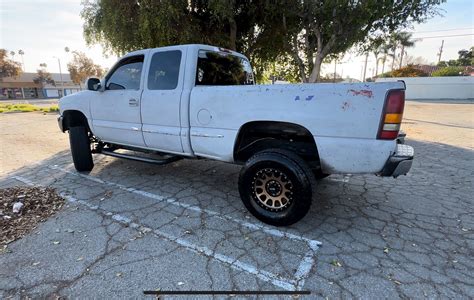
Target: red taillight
{"x": 392, "y": 115}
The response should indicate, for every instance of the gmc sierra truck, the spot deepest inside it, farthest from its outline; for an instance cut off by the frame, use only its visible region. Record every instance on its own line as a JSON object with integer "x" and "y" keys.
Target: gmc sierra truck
{"x": 199, "y": 101}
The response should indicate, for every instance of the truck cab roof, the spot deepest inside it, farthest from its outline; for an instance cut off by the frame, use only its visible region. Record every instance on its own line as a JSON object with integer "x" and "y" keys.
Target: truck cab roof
{"x": 195, "y": 47}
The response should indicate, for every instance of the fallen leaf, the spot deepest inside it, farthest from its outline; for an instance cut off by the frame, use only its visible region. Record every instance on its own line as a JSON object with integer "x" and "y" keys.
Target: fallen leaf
{"x": 336, "y": 263}
{"x": 36, "y": 263}
{"x": 56, "y": 242}
{"x": 180, "y": 283}
{"x": 80, "y": 258}
{"x": 385, "y": 250}
{"x": 119, "y": 274}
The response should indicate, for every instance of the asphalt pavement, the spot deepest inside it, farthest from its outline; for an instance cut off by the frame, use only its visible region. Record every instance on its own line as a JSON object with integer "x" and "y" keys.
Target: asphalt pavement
{"x": 130, "y": 226}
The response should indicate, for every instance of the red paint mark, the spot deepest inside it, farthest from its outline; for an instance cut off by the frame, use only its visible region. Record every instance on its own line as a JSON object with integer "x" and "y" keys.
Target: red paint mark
{"x": 365, "y": 93}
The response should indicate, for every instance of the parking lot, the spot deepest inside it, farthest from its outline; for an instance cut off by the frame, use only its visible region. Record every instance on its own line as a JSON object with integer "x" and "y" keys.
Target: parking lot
{"x": 130, "y": 226}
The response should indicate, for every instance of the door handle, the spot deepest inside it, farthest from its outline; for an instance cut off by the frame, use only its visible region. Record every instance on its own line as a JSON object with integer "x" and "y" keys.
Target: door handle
{"x": 133, "y": 102}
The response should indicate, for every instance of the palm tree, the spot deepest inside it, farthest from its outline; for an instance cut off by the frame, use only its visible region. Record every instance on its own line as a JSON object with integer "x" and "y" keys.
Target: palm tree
{"x": 393, "y": 45}
{"x": 385, "y": 50}
{"x": 21, "y": 52}
{"x": 12, "y": 53}
{"x": 405, "y": 41}
{"x": 400, "y": 39}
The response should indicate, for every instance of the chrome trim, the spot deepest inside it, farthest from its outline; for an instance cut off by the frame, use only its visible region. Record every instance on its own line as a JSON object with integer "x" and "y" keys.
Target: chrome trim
{"x": 206, "y": 135}
{"x": 160, "y": 132}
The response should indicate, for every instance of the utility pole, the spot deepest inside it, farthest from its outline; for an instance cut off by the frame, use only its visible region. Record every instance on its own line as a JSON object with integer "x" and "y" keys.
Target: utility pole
{"x": 365, "y": 66}
{"x": 440, "y": 51}
{"x": 60, "y": 76}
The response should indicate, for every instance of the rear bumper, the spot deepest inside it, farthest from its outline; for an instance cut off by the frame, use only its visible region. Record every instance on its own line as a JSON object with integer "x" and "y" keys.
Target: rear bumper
{"x": 400, "y": 162}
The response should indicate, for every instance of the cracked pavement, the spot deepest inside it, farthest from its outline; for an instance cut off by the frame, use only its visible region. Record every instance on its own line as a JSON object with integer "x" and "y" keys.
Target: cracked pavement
{"x": 129, "y": 227}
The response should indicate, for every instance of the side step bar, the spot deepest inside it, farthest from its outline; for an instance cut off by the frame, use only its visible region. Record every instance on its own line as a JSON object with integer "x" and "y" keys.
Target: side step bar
{"x": 163, "y": 161}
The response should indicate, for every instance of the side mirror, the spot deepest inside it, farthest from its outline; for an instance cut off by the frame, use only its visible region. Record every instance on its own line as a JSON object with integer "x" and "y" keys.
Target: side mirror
{"x": 93, "y": 84}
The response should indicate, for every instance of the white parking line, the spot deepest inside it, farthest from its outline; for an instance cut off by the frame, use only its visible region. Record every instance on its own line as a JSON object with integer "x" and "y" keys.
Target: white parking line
{"x": 287, "y": 284}
{"x": 302, "y": 272}
{"x": 313, "y": 244}
{"x": 344, "y": 179}
{"x": 305, "y": 265}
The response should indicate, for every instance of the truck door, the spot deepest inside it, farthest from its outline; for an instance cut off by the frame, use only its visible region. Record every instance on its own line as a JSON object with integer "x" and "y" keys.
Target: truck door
{"x": 161, "y": 101}
{"x": 116, "y": 110}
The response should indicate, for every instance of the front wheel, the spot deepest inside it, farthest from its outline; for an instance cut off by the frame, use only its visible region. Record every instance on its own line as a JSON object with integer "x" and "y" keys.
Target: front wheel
{"x": 80, "y": 149}
{"x": 276, "y": 187}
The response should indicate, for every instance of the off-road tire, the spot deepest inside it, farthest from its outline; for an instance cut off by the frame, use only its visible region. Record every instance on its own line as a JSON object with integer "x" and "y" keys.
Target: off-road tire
{"x": 80, "y": 149}
{"x": 295, "y": 170}
{"x": 318, "y": 174}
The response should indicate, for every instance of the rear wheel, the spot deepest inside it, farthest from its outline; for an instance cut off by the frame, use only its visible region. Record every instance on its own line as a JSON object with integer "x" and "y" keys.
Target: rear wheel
{"x": 318, "y": 174}
{"x": 80, "y": 149}
{"x": 276, "y": 187}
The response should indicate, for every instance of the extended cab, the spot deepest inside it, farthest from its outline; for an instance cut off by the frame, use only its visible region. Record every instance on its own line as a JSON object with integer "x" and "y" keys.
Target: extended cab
{"x": 199, "y": 101}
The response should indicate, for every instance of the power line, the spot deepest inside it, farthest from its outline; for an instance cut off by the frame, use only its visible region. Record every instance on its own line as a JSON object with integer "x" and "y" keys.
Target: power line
{"x": 455, "y": 29}
{"x": 442, "y": 36}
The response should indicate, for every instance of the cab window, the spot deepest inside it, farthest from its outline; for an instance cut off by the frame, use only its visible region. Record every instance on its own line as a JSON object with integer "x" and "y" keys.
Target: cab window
{"x": 164, "y": 70}
{"x": 222, "y": 68}
{"x": 126, "y": 75}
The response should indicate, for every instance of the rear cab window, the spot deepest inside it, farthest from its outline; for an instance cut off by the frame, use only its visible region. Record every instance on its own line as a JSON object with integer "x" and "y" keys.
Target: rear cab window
{"x": 164, "y": 70}
{"x": 223, "y": 68}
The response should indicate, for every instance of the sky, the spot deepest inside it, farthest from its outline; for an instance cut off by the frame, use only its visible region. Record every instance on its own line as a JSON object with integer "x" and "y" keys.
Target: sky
{"x": 43, "y": 28}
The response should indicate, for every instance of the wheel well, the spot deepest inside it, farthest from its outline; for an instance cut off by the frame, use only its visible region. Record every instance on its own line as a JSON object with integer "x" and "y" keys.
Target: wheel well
{"x": 72, "y": 118}
{"x": 260, "y": 135}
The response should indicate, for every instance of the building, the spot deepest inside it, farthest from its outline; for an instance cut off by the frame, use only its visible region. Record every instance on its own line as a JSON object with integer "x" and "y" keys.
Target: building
{"x": 24, "y": 87}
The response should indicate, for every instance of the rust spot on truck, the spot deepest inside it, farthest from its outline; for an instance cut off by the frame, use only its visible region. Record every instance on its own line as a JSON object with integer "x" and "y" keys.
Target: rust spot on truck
{"x": 365, "y": 93}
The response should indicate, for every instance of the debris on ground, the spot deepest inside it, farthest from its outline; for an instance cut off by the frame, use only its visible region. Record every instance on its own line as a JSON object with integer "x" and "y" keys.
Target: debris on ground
{"x": 336, "y": 263}
{"x": 17, "y": 207}
{"x": 22, "y": 208}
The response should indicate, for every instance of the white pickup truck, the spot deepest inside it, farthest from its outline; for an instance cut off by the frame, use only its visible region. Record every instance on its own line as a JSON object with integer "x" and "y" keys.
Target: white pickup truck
{"x": 199, "y": 101}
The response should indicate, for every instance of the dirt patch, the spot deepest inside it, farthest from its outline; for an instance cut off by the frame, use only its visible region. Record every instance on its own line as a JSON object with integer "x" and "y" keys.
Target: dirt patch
{"x": 22, "y": 208}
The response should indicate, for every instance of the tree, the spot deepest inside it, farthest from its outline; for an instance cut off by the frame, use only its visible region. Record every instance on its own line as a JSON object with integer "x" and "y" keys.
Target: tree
{"x": 465, "y": 58}
{"x": 21, "y": 53}
{"x": 279, "y": 70}
{"x": 408, "y": 71}
{"x": 115, "y": 24}
{"x": 43, "y": 76}
{"x": 81, "y": 67}
{"x": 449, "y": 71}
{"x": 405, "y": 41}
{"x": 306, "y": 30}
{"x": 8, "y": 67}
{"x": 331, "y": 27}
{"x": 376, "y": 45}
